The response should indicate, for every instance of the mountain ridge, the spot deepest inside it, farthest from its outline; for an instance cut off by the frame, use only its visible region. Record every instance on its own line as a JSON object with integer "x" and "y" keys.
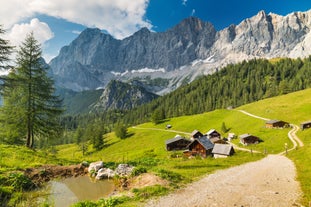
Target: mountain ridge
{"x": 182, "y": 53}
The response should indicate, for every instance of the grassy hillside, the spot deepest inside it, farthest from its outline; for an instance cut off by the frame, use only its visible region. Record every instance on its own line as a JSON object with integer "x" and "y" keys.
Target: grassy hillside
{"x": 145, "y": 144}
{"x": 294, "y": 108}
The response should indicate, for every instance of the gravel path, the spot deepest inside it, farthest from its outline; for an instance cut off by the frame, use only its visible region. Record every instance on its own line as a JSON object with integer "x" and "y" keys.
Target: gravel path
{"x": 260, "y": 183}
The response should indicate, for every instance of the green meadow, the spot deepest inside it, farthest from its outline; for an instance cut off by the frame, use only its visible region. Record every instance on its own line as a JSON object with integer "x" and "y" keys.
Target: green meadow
{"x": 145, "y": 144}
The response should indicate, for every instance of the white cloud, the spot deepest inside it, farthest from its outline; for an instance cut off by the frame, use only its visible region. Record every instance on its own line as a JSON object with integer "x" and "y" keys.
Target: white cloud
{"x": 76, "y": 32}
{"x": 41, "y": 31}
{"x": 120, "y": 18}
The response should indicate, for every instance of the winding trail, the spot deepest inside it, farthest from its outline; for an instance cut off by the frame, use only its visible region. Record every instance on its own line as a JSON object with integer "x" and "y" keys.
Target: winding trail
{"x": 291, "y": 134}
{"x": 267, "y": 182}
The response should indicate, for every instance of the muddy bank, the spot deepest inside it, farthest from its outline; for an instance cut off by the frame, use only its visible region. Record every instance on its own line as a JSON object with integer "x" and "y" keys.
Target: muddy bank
{"x": 48, "y": 172}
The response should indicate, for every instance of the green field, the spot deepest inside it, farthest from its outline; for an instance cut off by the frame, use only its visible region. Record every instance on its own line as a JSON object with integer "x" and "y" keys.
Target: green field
{"x": 145, "y": 145}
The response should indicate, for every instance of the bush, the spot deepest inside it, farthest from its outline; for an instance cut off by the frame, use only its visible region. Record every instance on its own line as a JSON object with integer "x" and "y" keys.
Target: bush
{"x": 120, "y": 131}
{"x": 20, "y": 182}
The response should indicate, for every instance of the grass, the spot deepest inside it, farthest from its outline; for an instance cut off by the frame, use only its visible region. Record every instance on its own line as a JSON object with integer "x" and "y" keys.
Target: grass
{"x": 145, "y": 147}
{"x": 293, "y": 108}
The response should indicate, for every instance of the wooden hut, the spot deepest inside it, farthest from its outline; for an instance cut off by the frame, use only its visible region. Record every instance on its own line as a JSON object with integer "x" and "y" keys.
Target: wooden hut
{"x": 196, "y": 134}
{"x": 215, "y": 137}
{"x": 200, "y": 146}
{"x": 276, "y": 124}
{"x": 305, "y": 125}
{"x": 222, "y": 150}
{"x": 247, "y": 139}
{"x": 213, "y": 133}
{"x": 177, "y": 143}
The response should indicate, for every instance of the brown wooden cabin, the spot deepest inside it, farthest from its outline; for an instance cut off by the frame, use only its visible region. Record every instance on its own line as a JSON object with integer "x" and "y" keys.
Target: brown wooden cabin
{"x": 305, "y": 125}
{"x": 213, "y": 133}
{"x": 276, "y": 124}
{"x": 200, "y": 146}
{"x": 177, "y": 143}
{"x": 222, "y": 150}
{"x": 247, "y": 139}
{"x": 196, "y": 134}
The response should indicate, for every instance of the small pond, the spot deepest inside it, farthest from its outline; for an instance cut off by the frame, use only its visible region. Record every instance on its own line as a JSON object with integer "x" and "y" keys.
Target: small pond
{"x": 64, "y": 192}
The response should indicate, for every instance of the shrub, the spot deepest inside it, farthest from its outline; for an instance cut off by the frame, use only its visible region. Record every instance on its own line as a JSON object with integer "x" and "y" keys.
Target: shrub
{"x": 20, "y": 182}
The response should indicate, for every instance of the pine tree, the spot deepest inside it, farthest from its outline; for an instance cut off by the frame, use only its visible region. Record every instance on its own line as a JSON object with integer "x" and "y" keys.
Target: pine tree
{"x": 5, "y": 51}
{"x": 30, "y": 110}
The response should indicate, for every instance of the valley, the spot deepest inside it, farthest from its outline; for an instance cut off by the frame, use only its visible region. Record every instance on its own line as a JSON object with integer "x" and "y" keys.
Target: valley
{"x": 146, "y": 147}
{"x": 194, "y": 115}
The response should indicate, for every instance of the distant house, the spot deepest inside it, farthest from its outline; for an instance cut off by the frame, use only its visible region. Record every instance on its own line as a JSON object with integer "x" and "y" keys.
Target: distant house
{"x": 247, "y": 139}
{"x": 305, "y": 125}
{"x": 200, "y": 146}
{"x": 213, "y": 133}
{"x": 215, "y": 137}
{"x": 177, "y": 143}
{"x": 196, "y": 134}
{"x": 276, "y": 124}
{"x": 222, "y": 150}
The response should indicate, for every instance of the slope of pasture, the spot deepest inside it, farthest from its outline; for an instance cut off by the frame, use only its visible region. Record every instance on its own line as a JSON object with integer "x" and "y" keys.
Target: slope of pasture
{"x": 146, "y": 143}
{"x": 294, "y": 108}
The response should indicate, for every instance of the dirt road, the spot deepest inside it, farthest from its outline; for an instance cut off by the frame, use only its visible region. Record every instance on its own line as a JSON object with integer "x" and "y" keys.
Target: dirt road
{"x": 268, "y": 182}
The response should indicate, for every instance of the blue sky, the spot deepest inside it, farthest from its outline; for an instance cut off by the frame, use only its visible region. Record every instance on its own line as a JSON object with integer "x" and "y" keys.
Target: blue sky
{"x": 57, "y": 22}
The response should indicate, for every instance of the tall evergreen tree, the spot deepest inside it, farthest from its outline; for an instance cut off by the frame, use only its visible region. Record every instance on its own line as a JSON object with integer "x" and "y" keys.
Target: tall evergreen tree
{"x": 30, "y": 110}
{"x": 5, "y": 51}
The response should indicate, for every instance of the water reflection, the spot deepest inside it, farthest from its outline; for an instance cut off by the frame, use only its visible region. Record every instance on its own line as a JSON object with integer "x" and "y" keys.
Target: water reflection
{"x": 62, "y": 193}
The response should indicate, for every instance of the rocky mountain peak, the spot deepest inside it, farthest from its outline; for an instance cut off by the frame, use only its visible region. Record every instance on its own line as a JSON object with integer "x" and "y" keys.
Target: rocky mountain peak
{"x": 179, "y": 55}
{"x": 119, "y": 95}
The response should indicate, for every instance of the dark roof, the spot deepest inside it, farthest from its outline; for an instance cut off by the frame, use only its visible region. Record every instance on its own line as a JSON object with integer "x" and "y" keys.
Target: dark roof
{"x": 204, "y": 141}
{"x": 195, "y": 132}
{"x": 243, "y": 136}
{"x": 272, "y": 121}
{"x": 306, "y": 122}
{"x": 177, "y": 138}
{"x": 211, "y": 131}
{"x": 222, "y": 149}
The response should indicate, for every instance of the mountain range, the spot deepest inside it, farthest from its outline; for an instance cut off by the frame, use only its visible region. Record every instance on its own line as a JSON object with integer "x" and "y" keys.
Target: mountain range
{"x": 161, "y": 62}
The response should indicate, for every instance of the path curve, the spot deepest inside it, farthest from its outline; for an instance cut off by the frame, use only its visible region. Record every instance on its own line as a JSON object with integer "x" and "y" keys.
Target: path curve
{"x": 291, "y": 134}
{"x": 256, "y": 184}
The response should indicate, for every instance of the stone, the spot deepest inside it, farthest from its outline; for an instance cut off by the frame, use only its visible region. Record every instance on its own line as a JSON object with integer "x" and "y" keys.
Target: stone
{"x": 95, "y": 166}
{"x": 124, "y": 169}
{"x": 104, "y": 173}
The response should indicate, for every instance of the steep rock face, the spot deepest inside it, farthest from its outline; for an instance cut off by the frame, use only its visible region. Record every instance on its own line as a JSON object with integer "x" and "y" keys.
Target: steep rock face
{"x": 119, "y": 95}
{"x": 190, "y": 49}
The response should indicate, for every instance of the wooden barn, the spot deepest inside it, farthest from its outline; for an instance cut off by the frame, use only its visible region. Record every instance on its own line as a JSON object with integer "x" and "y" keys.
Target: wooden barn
{"x": 276, "y": 124}
{"x": 247, "y": 139}
{"x": 177, "y": 143}
{"x": 200, "y": 146}
{"x": 196, "y": 134}
{"x": 213, "y": 133}
{"x": 215, "y": 137}
{"x": 305, "y": 125}
{"x": 222, "y": 150}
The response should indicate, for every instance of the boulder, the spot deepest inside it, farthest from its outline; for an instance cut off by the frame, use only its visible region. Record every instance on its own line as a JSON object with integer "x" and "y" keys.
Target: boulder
{"x": 95, "y": 166}
{"x": 124, "y": 170}
{"x": 104, "y": 173}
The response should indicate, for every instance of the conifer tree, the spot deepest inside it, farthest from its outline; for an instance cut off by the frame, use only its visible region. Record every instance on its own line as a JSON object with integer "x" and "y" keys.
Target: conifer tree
{"x": 31, "y": 110}
{"x": 5, "y": 51}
